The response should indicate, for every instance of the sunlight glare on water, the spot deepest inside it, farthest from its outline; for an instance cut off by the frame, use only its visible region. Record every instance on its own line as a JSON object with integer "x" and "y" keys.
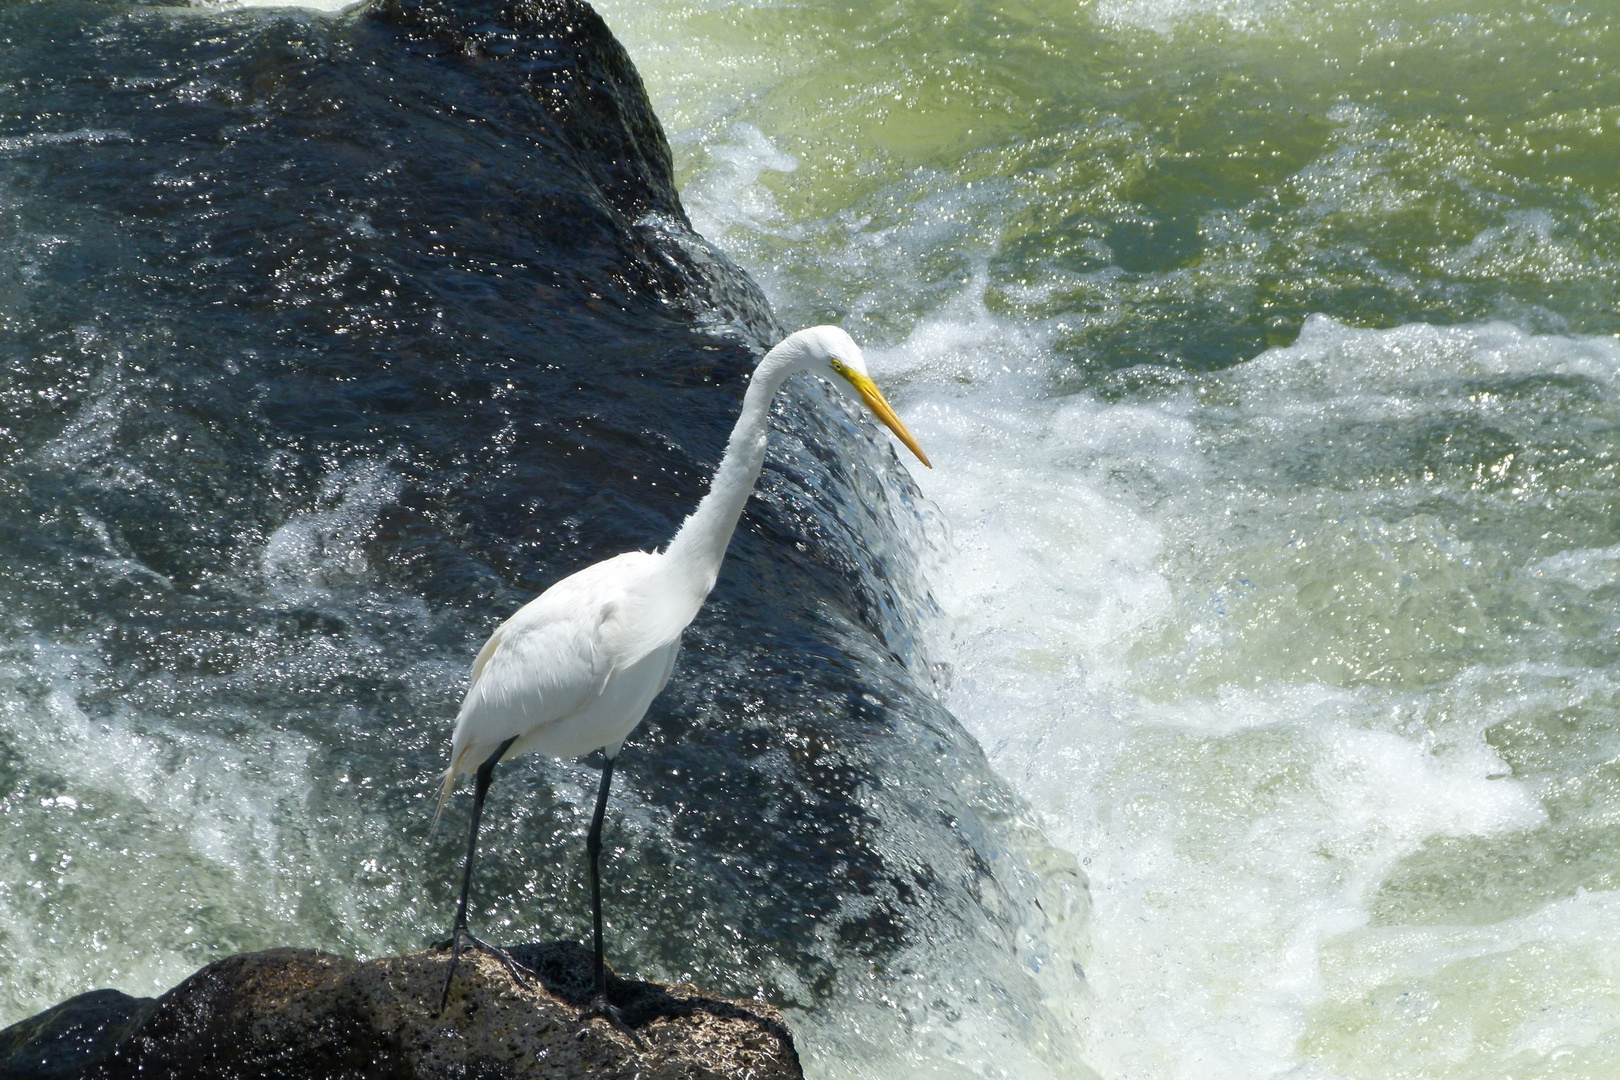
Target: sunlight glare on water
{"x": 377, "y": 350}
{"x": 1265, "y": 353}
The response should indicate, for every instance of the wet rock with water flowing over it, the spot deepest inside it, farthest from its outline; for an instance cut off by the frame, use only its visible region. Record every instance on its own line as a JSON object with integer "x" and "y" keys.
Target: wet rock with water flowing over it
{"x": 357, "y": 333}
{"x": 299, "y": 1013}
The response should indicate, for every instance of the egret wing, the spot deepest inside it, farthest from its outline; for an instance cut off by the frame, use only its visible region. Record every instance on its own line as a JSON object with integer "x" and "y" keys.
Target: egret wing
{"x": 559, "y": 652}
{"x": 532, "y": 672}
{"x": 552, "y": 656}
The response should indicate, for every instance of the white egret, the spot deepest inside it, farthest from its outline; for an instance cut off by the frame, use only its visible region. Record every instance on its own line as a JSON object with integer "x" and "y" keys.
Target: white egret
{"x": 575, "y": 669}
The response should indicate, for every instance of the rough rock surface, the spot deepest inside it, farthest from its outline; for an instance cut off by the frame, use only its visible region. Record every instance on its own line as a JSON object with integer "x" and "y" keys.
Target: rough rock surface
{"x": 296, "y": 1013}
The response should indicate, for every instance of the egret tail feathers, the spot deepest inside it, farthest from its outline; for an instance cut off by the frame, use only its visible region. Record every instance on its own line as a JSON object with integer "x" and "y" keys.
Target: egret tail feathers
{"x": 450, "y": 775}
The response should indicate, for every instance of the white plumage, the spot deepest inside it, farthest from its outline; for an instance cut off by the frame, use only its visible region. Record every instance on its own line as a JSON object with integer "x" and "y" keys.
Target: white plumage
{"x": 575, "y": 669}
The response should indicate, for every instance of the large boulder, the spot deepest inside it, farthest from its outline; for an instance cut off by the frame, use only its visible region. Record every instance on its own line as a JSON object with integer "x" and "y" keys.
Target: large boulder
{"x": 298, "y": 1013}
{"x": 336, "y": 341}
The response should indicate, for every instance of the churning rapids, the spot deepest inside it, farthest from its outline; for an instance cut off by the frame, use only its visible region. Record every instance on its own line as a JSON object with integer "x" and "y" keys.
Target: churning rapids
{"x": 1265, "y": 350}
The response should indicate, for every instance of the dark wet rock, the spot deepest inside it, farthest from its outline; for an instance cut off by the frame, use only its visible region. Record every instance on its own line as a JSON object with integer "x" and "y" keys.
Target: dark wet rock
{"x": 578, "y": 90}
{"x": 297, "y": 1013}
{"x": 68, "y": 1040}
{"x": 423, "y": 330}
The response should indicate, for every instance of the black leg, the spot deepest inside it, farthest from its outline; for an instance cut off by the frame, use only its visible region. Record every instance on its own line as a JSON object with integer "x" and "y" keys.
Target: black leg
{"x": 459, "y": 932}
{"x": 600, "y": 1005}
{"x": 593, "y": 849}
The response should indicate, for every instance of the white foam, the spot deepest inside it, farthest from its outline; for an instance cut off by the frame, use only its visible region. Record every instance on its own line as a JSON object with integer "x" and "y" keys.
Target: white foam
{"x": 1329, "y": 357}
{"x": 728, "y": 196}
{"x": 319, "y": 7}
{"x": 1588, "y": 568}
{"x": 1379, "y": 956}
{"x": 1241, "y": 692}
{"x": 170, "y": 796}
{"x": 317, "y": 547}
{"x": 1165, "y": 16}
{"x": 1235, "y": 832}
{"x": 1235, "y": 824}
{"x": 1531, "y": 995}
{"x": 130, "y": 777}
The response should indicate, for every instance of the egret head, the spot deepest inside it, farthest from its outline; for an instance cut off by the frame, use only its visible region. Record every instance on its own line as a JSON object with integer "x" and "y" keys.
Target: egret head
{"x": 835, "y": 357}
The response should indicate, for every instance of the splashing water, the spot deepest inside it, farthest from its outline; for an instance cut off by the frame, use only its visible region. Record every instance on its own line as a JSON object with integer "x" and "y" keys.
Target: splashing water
{"x": 360, "y": 372}
{"x": 1265, "y": 353}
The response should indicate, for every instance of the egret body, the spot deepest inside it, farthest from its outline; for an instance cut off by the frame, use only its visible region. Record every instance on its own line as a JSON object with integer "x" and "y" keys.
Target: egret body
{"x": 575, "y": 669}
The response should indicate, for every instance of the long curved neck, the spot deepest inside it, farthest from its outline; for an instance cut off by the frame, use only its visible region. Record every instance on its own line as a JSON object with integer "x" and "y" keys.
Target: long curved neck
{"x": 700, "y": 545}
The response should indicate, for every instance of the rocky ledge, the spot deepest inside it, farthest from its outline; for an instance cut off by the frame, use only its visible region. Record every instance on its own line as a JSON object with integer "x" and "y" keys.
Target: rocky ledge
{"x": 296, "y": 1014}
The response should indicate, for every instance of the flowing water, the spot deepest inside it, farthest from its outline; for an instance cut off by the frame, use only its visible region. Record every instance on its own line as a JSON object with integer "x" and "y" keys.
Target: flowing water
{"x": 1266, "y": 354}
{"x": 325, "y": 342}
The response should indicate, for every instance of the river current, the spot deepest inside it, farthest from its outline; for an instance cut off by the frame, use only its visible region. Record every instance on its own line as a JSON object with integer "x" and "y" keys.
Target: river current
{"x": 1268, "y": 348}
{"x": 1266, "y": 353}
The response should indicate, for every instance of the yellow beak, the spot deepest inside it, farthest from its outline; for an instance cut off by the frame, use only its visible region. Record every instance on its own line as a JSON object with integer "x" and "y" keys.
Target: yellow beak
{"x": 874, "y": 399}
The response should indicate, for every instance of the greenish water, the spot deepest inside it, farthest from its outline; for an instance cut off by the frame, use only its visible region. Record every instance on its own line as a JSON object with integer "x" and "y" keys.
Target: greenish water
{"x": 1183, "y": 183}
{"x": 1266, "y": 355}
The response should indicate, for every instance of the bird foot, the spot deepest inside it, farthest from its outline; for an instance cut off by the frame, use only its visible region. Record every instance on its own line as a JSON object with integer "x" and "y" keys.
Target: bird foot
{"x": 460, "y": 941}
{"x": 601, "y": 1007}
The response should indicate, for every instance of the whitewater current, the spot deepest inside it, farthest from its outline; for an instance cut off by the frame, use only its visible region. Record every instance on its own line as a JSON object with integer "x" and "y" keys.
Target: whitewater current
{"x": 1266, "y": 355}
